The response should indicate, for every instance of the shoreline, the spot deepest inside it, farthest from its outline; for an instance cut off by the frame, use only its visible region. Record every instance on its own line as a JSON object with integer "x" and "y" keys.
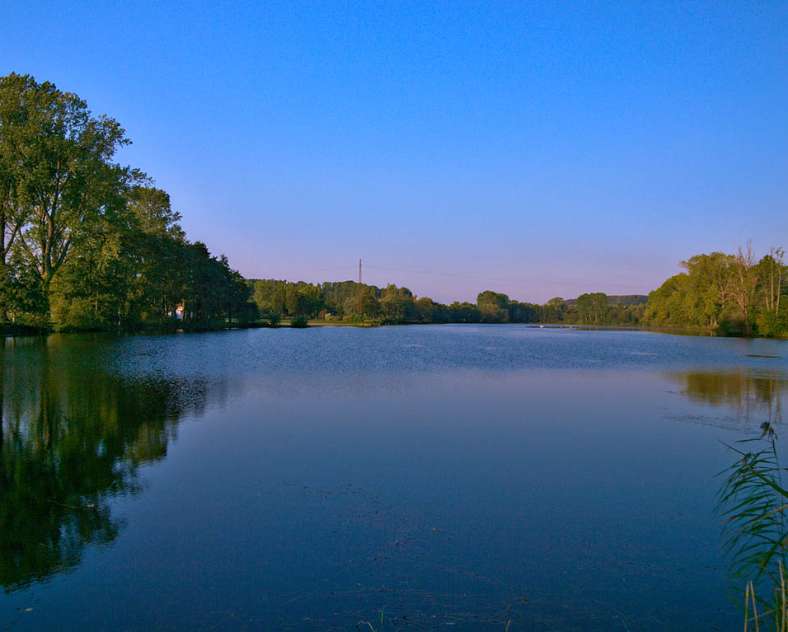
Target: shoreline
{"x": 13, "y": 331}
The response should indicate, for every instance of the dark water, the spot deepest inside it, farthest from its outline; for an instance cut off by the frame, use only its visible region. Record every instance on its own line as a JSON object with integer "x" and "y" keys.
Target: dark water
{"x": 455, "y": 477}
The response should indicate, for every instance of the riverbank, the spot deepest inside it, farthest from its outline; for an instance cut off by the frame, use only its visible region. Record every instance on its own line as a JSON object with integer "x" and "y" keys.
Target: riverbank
{"x": 177, "y": 327}
{"x": 676, "y": 331}
{"x": 285, "y": 323}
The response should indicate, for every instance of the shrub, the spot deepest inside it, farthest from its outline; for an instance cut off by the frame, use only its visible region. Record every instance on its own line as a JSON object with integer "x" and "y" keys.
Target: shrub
{"x": 299, "y": 322}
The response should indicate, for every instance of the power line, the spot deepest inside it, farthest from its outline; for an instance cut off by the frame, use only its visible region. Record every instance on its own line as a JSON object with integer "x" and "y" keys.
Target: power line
{"x": 555, "y": 281}
{"x": 615, "y": 286}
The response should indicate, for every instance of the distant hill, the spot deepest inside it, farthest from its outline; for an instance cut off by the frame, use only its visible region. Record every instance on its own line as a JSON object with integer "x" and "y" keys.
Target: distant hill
{"x": 626, "y": 299}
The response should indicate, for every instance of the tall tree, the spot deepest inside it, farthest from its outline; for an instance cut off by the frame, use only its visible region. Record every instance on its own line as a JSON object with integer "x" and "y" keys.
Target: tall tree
{"x": 12, "y": 215}
{"x": 742, "y": 285}
{"x": 770, "y": 272}
{"x": 770, "y": 278}
{"x": 493, "y": 306}
{"x": 708, "y": 287}
{"x": 592, "y": 307}
{"x": 58, "y": 161}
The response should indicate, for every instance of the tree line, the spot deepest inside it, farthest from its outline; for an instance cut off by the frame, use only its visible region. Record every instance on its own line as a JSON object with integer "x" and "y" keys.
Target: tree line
{"x": 718, "y": 293}
{"x": 89, "y": 243}
{"x": 356, "y": 302}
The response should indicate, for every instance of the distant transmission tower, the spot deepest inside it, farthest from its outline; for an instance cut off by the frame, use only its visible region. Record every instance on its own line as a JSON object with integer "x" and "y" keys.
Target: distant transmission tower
{"x": 359, "y": 271}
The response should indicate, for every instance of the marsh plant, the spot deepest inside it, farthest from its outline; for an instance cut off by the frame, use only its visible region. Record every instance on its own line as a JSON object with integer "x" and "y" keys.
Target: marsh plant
{"x": 753, "y": 500}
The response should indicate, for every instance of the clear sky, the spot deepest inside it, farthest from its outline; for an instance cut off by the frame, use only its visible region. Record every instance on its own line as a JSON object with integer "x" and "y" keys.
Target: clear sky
{"x": 539, "y": 149}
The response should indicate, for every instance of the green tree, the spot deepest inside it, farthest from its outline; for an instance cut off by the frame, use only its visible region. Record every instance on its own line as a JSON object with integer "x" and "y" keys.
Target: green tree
{"x": 705, "y": 295}
{"x": 741, "y": 286}
{"x": 553, "y": 311}
{"x": 157, "y": 245}
{"x": 520, "y": 312}
{"x": 464, "y": 313}
{"x": 493, "y": 307}
{"x": 723, "y": 293}
{"x": 59, "y": 164}
{"x": 592, "y": 308}
{"x": 363, "y": 304}
{"x": 270, "y": 295}
{"x": 771, "y": 316}
{"x": 397, "y": 304}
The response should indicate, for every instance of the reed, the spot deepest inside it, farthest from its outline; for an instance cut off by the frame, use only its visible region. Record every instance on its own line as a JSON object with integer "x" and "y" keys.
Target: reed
{"x": 754, "y": 500}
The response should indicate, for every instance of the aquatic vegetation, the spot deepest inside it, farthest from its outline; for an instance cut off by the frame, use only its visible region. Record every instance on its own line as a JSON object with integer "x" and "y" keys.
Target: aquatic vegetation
{"x": 367, "y": 625}
{"x": 754, "y": 500}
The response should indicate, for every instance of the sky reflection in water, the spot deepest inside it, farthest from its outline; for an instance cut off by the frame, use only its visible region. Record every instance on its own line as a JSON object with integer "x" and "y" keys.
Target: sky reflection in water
{"x": 305, "y": 480}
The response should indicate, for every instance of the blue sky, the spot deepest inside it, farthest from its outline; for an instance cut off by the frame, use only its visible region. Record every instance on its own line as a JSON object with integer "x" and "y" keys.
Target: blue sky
{"x": 539, "y": 149}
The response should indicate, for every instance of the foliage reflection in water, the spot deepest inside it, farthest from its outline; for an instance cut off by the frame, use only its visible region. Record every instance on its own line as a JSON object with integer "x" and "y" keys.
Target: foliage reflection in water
{"x": 753, "y": 497}
{"x": 748, "y": 397}
{"x": 69, "y": 442}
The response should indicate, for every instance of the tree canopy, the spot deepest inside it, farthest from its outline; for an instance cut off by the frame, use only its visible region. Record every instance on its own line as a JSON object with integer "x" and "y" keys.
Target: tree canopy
{"x": 88, "y": 243}
{"x": 724, "y": 293}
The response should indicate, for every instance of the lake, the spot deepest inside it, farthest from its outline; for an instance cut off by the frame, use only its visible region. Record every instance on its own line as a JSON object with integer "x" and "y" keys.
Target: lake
{"x": 454, "y": 477}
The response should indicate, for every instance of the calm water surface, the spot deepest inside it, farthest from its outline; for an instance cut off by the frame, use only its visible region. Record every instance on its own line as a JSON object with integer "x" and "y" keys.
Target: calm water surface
{"x": 455, "y": 477}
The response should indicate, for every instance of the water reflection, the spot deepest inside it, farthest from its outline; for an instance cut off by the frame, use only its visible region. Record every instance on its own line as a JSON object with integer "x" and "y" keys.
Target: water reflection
{"x": 748, "y": 397}
{"x": 350, "y": 472}
{"x": 70, "y": 440}
{"x": 751, "y": 495}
